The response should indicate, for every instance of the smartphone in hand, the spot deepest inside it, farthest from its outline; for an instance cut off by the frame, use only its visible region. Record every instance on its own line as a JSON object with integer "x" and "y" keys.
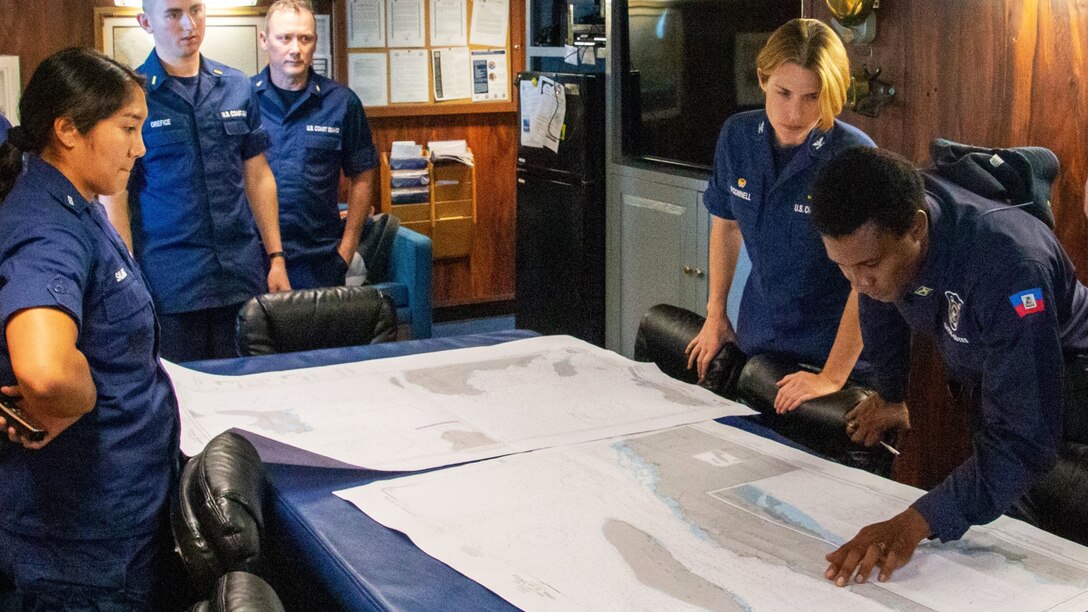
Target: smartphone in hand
{"x": 24, "y": 424}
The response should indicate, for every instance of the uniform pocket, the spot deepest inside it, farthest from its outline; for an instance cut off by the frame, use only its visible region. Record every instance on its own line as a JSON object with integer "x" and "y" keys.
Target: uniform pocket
{"x": 130, "y": 322}
{"x": 322, "y": 142}
{"x": 124, "y": 299}
{"x": 322, "y": 157}
{"x": 161, "y": 138}
{"x": 236, "y": 127}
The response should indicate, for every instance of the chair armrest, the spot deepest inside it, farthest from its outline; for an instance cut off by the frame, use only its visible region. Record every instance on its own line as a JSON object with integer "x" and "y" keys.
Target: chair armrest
{"x": 818, "y": 424}
{"x": 411, "y": 265}
{"x": 1059, "y": 502}
{"x": 664, "y": 334}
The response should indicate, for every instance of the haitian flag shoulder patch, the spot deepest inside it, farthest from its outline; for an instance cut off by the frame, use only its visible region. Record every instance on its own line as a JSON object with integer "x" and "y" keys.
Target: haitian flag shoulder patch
{"x": 1028, "y": 302}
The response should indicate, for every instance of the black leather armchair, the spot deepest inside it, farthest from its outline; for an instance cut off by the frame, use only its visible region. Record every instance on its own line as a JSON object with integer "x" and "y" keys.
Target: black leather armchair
{"x": 217, "y": 512}
{"x": 310, "y": 319}
{"x": 240, "y": 592}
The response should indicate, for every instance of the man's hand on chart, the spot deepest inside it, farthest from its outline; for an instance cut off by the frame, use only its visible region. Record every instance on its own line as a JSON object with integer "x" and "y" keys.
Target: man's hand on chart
{"x": 799, "y": 387}
{"x": 716, "y": 332}
{"x": 873, "y": 417}
{"x": 888, "y": 545}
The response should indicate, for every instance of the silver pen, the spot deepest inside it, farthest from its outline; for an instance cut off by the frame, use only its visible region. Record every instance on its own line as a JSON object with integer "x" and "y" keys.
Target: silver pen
{"x": 891, "y": 449}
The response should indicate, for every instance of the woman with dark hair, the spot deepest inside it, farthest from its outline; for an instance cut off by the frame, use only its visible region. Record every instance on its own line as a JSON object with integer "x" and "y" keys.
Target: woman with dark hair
{"x": 82, "y": 509}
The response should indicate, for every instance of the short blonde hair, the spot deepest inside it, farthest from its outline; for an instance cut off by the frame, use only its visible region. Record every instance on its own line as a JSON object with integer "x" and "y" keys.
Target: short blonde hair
{"x": 295, "y": 6}
{"x": 814, "y": 46}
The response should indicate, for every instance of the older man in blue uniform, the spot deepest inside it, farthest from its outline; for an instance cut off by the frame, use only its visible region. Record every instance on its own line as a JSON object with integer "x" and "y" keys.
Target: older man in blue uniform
{"x": 194, "y": 201}
{"x": 318, "y": 128}
{"x": 991, "y": 285}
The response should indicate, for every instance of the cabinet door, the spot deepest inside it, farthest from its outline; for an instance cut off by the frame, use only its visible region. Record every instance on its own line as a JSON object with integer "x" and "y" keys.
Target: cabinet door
{"x": 663, "y": 252}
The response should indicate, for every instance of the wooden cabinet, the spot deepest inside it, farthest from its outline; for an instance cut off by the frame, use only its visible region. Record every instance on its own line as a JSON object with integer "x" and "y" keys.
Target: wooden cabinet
{"x": 448, "y": 214}
{"x": 658, "y": 244}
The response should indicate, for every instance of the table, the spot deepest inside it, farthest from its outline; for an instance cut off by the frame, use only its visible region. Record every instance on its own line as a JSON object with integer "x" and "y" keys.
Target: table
{"x": 322, "y": 552}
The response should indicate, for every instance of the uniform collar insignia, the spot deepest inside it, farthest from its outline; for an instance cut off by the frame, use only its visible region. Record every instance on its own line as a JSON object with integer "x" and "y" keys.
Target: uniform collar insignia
{"x": 923, "y": 291}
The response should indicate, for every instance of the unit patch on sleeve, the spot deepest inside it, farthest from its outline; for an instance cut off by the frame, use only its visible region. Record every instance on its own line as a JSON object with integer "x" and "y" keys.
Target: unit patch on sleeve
{"x": 1028, "y": 302}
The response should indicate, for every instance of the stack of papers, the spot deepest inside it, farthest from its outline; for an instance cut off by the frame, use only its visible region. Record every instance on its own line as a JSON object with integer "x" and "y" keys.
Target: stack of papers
{"x": 455, "y": 150}
{"x": 409, "y": 178}
{"x": 406, "y": 154}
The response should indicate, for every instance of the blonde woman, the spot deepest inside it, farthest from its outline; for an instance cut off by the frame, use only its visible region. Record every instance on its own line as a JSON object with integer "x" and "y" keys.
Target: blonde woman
{"x": 796, "y": 302}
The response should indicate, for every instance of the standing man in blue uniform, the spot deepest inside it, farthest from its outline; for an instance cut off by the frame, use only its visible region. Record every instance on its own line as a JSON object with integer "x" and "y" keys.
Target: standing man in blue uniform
{"x": 991, "y": 285}
{"x": 193, "y": 200}
{"x": 795, "y": 302}
{"x": 5, "y": 125}
{"x": 318, "y": 128}
{"x": 83, "y": 512}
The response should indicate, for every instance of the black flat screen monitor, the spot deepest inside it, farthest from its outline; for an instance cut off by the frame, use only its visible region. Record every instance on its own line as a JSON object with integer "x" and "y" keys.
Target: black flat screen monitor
{"x": 687, "y": 65}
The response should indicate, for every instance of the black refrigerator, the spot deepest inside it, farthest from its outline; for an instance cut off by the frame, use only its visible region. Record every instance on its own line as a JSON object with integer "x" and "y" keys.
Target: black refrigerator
{"x": 559, "y": 271}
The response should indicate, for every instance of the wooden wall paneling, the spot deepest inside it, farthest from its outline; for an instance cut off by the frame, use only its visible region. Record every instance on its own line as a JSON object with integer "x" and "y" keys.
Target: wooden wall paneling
{"x": 488, "y": 273}
{"x": 34, "y": 30}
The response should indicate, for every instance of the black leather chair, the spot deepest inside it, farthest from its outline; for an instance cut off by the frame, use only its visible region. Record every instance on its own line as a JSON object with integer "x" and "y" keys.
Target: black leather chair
{"x": 240, "y": 592}
{"x": 217, "y": 511}
{"x": 310, "y": 319}
{"x": 818, "y": 424}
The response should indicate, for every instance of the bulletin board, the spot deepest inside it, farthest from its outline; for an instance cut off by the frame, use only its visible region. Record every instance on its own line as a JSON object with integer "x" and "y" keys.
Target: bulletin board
{"x": 230, "y": 37}
{"x": 429, "y": 57}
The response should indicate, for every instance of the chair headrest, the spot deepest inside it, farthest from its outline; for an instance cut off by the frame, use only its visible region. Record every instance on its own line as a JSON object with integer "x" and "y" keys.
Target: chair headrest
{"x": 240, "y": 592}
{"x": 664, "y": 334}
{"x": 309, "y": 319}
{"x": 217, "y": 511}
{"x": 1020, "y": 176}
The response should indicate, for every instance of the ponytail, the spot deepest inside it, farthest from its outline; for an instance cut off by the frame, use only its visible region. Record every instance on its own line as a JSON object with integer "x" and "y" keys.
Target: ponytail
{"x": 11, "y": 160}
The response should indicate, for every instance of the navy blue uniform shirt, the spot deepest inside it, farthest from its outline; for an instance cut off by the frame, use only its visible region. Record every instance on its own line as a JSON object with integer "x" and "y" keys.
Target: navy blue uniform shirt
{"x": 109, "y": 474}
{"x": 795, "y": 295}
{"x": 325, "y": 131}
{"x": 1000, "y": 297}
{"x": 192, "y": 229}
{"x": 5, "y": 125}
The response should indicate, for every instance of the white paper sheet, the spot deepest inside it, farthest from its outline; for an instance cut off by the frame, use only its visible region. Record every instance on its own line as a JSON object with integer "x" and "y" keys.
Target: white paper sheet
{"x": 366, "y": 23}
{"x": 322, "y": 65}
{"x": 704, "y": 517}
{"x": 368, "y": 78}
{"x": 324, "y": 35}
{"x": 529, "y": 100}
{"x": 489, "y": 75}
{"x": 406, "y": 24}
{"x": 551, "y": 111}
{"x": 489, "y": 22}
{"x": 408, "y": 69}
{"x": 452, "y": 73}
{"x": 449, "y": 21}
{"x": 427, "y": 410}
